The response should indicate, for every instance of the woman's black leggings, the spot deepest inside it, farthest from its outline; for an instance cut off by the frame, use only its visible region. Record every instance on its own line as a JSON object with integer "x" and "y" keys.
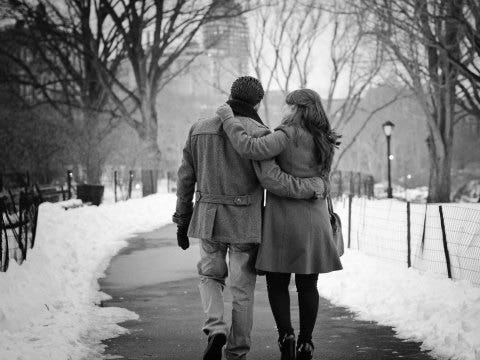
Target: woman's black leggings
{"x": 279, "y": 297}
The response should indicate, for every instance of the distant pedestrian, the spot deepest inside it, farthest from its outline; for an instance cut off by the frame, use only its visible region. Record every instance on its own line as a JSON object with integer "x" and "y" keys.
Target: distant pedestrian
{"x": 227, "y": 215}
{"x": 297, "y": 234}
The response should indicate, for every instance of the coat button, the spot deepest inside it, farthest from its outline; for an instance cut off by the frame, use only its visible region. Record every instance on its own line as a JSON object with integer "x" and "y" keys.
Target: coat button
{"x": 238, "y": 201}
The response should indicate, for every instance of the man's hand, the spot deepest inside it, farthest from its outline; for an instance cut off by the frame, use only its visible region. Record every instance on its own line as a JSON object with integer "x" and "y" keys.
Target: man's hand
{"x": 225, "y": 112}
{"x": 183, "y": 222}
{"x": 182, "y": 238}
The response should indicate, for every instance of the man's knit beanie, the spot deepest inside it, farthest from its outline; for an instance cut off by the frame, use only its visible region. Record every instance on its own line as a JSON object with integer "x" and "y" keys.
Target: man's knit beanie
{"x": 248, "y": 89}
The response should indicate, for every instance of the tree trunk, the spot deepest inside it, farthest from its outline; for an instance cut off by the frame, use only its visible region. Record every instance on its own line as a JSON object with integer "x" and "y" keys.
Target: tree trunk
{"x": 94, "y": 171}
{"x": 91, "y": 163}
{"x": 148, "y": 132}
{"x": 153, "y": 155}
{"x": 440, "y": 178}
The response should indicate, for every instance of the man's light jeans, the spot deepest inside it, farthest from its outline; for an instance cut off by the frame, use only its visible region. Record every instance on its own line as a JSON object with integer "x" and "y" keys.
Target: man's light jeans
{"x": 213, "y": 271}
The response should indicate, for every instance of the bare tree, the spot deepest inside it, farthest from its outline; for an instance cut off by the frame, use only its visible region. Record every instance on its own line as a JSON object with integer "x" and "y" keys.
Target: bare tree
{"x": 155, "y": 36}
{"x": 423, "y": 38}
{"x": 54, "y": 49}
{"x": 282, "y": 52}
{"x": 357, "y": 64}
{"x": 107, "y": 61}
{"x": 468, "y": 63}
{"x": 283, "y": 38}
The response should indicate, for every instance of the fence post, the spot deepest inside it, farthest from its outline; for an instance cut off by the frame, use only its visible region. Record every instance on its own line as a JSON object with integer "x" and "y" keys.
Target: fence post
{"x": 1, "y": 232}
{"x": 69, "y": 183}
{"x": 27, "y": 175}
{"x": 352, "y": 186}
{"x": 115, "y": 184}
{"x": 20, "y": 226}
{"x": 168, "y": 181}
{"x": 350, "y": 197}
{"x": 130, "y": 181}
{"x": 340, "y": 184}
{"x": 445, "y": 245}
{"x": 358, "y": 177}
{"x": 409, "y": 237}
{"x": 4, "y": 253}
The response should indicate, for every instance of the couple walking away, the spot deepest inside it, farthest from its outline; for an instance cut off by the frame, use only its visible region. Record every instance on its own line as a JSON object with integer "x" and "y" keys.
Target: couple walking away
{"x": 228, "y": 161}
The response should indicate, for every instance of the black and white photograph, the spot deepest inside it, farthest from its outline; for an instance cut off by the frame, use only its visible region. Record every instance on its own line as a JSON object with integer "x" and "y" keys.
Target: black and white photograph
{"x": 239, "y": 179}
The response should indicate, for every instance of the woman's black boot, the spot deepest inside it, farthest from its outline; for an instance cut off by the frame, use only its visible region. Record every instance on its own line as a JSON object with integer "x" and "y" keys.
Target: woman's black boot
{"x": 287, "y": 346}
{"x": 305, "y": 350}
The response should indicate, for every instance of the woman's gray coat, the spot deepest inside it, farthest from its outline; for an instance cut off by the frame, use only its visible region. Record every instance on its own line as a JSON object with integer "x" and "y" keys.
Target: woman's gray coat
{"x": 297, "y": 235}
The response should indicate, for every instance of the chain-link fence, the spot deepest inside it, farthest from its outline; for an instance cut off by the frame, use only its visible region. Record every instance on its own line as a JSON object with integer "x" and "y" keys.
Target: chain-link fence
{"x": 438, "y": 238}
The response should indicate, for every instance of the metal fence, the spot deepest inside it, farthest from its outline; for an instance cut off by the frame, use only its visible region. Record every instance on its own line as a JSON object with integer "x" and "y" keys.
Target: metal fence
{"x": 18, "y": 223}
{"x": 438, "y": 238}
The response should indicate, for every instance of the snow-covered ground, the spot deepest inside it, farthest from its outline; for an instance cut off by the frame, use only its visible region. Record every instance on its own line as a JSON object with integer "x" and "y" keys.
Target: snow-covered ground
{"x": 47, "y": 305}
{"x": 442, "y": 314}
{"x": 48, "y": 311}
{"x": 421, "y": 303}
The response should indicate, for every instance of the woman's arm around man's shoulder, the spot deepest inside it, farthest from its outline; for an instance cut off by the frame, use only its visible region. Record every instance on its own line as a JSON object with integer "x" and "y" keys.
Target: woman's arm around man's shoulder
{"x": 262, "y": 146}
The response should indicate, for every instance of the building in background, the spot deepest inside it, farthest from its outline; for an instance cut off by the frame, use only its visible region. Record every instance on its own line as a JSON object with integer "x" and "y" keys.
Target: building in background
{"x": 227, "y": 44}
{"x": 221, "y": 54}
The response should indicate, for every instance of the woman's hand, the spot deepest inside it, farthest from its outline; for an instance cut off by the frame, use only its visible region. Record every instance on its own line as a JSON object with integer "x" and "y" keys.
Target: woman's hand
{"x": 287, "y": 129}
{"x": 225, "y": 112}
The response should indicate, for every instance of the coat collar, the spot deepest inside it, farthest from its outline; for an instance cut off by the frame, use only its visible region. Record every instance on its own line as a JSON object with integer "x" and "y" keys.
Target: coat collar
{"x": 242, "y": 108}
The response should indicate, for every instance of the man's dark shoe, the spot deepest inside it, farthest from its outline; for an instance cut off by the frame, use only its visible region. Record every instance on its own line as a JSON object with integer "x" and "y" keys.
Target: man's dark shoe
{"x": 214, "y": 347}
{"x": 287, "y": 347}
{"x": 305, "y": 351}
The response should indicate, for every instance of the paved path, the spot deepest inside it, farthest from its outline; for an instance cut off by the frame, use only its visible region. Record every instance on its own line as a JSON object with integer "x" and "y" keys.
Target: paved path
{"x": 139, "y": 279}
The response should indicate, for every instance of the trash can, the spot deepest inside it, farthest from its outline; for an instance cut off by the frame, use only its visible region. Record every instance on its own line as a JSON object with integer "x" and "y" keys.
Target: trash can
{"x": 90, "y": 193}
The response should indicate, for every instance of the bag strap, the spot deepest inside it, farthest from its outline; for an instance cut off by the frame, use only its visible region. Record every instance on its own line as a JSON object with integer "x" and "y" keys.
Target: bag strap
{"x": 330, "y": 205}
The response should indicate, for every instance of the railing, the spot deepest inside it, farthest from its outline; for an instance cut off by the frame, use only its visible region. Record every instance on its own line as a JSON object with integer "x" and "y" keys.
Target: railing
{"x": 18, "y": 223}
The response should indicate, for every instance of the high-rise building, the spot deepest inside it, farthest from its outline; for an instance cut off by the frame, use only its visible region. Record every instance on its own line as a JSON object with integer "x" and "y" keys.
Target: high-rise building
{"x": 223, "y": 48}
{"x": 226, "y": 39}
{"x": 211, "y": 62}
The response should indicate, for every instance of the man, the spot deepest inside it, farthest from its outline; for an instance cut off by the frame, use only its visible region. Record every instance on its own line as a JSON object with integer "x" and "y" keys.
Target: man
{"x": 227, "y": 215}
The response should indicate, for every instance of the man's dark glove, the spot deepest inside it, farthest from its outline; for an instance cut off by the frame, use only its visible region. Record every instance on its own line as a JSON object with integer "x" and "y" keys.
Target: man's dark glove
{"x": 182, "y": 238}
{"x": 182, "y": 221}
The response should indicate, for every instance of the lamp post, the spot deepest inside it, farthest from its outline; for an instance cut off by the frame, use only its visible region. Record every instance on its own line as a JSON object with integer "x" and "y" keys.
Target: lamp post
{"x": 388, "y": 129}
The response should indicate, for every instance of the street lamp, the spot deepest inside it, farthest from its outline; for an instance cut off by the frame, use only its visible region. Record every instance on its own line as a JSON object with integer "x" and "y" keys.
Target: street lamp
{"x": 388, "y": 129}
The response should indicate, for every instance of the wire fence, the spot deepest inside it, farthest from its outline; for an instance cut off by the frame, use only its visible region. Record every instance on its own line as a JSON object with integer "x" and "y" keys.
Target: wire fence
{"x": 438, "y": 238}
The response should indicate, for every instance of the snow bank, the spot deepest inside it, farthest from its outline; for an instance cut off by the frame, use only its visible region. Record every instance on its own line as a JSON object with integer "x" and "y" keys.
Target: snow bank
{"x": 47, "y": 305}
{"x": 442, "y": 314}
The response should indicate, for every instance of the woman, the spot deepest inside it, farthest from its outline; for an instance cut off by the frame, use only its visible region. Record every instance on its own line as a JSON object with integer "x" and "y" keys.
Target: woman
{"x": 297, "y": 235}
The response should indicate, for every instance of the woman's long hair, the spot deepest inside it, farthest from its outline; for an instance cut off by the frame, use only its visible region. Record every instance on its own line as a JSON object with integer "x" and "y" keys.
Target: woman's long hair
{"x": 311, "y": 115}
